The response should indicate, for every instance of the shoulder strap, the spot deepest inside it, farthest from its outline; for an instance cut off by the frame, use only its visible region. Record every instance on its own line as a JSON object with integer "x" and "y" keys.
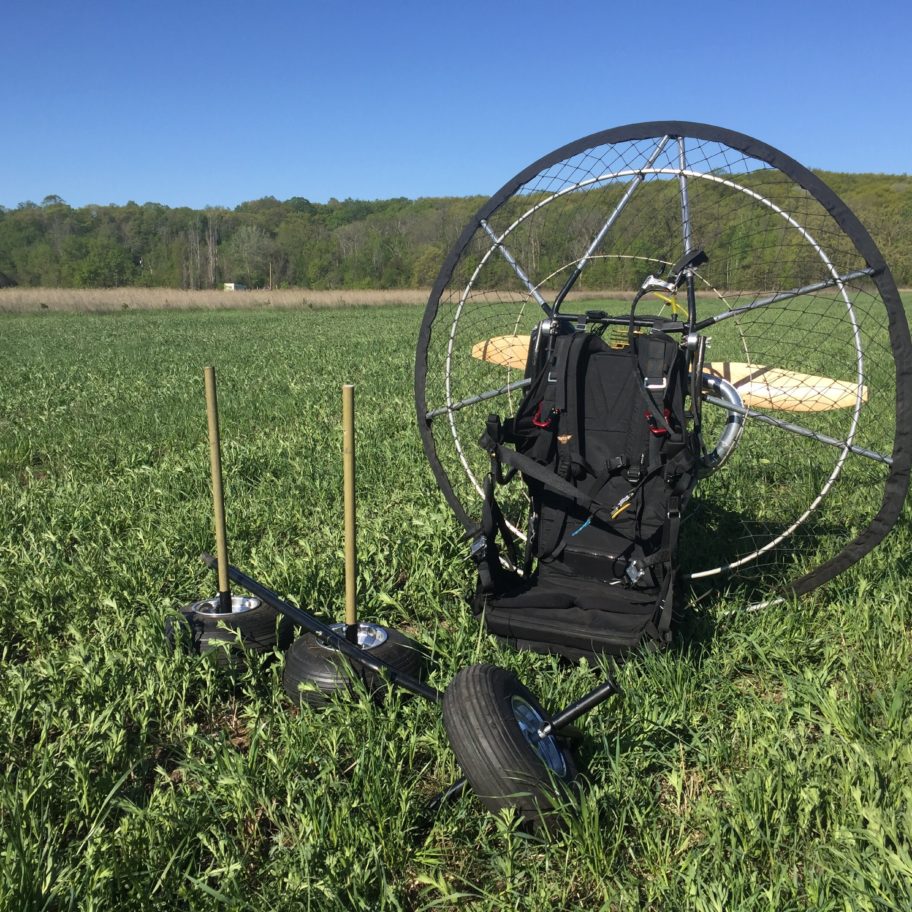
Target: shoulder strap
{"x": 654, "y": 358}
{"x": 581, "y": 347}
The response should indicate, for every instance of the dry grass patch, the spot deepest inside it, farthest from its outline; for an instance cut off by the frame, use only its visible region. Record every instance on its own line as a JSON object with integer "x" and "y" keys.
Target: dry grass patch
{"x": 27, "y": 300}
{"x": 104, "y": 300}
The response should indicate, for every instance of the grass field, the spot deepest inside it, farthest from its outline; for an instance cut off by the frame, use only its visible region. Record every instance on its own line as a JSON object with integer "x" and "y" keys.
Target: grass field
{"x": 764, "y": 763}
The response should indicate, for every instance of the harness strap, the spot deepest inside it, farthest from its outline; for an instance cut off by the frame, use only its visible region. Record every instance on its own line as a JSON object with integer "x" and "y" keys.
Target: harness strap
{"x": 485, "y": 552}
{"x": 612, "y": 467}
{"x": 670, "y": 531}
{"x": 500, "y": 523}
{"x": 580, "y": 345}
{"x": 549, "y": 479}
{"x": 655, "y": 357}
{"x": 560, "y": 360}
{"x": 659, "y": 629}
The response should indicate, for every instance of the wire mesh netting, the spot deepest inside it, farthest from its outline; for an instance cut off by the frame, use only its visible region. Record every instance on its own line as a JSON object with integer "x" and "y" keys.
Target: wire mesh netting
{"x": 796, "y": 321}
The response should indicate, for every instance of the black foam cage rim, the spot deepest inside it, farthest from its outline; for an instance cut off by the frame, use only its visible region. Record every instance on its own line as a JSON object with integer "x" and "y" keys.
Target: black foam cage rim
{"x": 549, "y": 166}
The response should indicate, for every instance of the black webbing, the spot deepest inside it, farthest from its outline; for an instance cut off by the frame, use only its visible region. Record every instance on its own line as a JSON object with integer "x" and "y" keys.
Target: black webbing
{"x": 549, "y": 479}
{"x": 653, "y": 363}
{"x": 580, "y": 344}
{"x": 492, "y": 521}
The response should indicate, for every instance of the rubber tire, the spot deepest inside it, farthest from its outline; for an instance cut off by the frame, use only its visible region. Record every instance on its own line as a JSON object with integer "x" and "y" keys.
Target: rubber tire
{"x": 262, "y": 630}
{"x": 500, "y": 764}
{"x": 309, "y": 662}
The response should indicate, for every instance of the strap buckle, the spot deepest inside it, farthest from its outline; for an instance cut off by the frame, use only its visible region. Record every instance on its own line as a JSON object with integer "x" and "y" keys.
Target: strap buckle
{"x": 655, "y": 383}
{"x": 634, "y": 572}
{"x": 479, "y": 549}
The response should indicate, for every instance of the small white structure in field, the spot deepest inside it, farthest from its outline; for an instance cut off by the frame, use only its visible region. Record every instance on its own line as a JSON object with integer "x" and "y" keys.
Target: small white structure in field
{"x": 234, "y": 286}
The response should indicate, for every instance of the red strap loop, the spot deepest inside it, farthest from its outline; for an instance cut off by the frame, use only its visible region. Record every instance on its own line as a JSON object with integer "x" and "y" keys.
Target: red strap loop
{"x": 654, "y": 426}
{"x": 537, "y": 418}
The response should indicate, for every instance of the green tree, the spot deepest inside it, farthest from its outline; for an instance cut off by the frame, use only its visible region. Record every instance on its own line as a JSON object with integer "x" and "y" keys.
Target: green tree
{"x": 105, "y": 265}
{"x": 248, "y": 255}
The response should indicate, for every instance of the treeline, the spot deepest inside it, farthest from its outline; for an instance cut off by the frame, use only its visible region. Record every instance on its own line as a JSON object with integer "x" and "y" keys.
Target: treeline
{"x": 397, "y": 243}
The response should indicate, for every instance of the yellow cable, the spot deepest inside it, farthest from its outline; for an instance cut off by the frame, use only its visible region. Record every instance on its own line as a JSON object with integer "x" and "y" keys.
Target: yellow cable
{"x": 620, "y": 510}
{"x": 672, "y": 302}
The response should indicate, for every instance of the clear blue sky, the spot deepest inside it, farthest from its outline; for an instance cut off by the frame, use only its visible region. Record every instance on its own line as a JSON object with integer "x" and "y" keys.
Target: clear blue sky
{"x": 202, "y": 103}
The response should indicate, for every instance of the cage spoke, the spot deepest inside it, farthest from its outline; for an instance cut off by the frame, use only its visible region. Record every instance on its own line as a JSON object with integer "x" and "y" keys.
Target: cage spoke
{"x": 800, "y": 430}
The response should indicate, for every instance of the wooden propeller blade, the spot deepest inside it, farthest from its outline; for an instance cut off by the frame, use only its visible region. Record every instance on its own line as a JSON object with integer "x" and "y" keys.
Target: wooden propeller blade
{"x": 758, "y": 386}
{"x": 508, "y": 351}
{"x": 784, "y": 390}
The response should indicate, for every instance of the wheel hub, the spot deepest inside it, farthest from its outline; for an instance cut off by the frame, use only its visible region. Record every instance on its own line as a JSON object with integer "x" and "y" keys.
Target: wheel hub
{"x": 530, "y": 721}
{"x": 369, "y": 635}
{"x": 239, "y": 604}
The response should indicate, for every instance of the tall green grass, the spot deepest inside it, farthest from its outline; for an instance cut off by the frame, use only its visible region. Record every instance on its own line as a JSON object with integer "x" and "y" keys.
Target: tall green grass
{"x": 762, "y": 763}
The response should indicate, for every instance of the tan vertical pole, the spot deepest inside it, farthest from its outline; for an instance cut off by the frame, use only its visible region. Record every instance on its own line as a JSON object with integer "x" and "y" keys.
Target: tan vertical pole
{"x": 218, "y": 501}
{"x": 351, "y": 556}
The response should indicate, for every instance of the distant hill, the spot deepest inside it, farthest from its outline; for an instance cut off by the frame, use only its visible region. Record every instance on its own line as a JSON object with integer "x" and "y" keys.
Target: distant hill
{"x": 883, "y": 202}
{"x": 396, "y": 243}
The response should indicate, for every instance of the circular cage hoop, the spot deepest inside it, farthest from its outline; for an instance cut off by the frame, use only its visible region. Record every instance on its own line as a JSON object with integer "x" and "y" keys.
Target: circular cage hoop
{"x": 794, "y": 291}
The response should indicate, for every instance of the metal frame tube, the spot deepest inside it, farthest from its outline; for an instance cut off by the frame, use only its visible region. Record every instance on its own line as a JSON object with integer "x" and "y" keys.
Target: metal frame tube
{"x": 456, "y": 790}
{"x": 639, "y": 177}
{"x": 521, "y": 275}
{"x": 777, "y": 298}
{"x": 481, "y": 397}
{"x": 733, "y": 429}
{"x": 579, "y": 707}
{"x": 685, "y": 197}
{"x": 800, "y": 430}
